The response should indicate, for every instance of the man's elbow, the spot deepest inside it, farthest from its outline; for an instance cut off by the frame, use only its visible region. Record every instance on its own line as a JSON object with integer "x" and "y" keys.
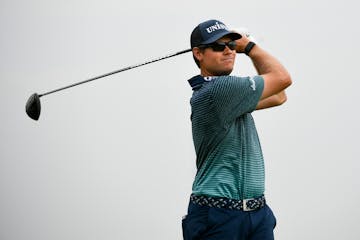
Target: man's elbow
{"x": 283, "y": 80}
{"x": 282, "y": 98}
{"x": 286, "y": 80}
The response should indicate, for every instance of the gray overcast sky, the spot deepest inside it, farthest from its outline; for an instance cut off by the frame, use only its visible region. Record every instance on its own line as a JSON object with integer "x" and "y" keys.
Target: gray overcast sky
{"x": 114, "y": 159}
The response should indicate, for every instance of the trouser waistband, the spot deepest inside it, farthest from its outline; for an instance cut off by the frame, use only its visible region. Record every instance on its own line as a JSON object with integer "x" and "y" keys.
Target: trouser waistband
{"x": 250, "y": 204}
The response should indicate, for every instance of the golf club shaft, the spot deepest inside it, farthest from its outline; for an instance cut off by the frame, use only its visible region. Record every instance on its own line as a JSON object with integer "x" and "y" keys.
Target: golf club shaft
{"x": 116, "y": 71}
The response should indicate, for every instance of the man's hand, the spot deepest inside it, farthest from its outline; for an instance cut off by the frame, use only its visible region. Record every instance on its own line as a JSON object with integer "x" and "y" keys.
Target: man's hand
{"x": 242, "y": 43}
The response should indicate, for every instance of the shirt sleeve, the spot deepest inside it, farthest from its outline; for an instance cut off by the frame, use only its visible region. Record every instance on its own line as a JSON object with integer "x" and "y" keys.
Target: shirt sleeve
{"x": 235, "y": 96}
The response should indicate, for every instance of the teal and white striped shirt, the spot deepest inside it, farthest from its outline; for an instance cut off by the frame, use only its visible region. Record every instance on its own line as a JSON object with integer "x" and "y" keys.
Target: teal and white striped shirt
{"x": 229, "y": 157}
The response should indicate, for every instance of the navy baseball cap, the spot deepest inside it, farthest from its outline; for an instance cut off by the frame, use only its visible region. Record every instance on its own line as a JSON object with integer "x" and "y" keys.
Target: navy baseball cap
{"x": 209, "y": 32}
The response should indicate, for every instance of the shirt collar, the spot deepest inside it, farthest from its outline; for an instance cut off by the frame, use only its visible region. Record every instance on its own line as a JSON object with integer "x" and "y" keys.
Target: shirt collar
{"x": 197, "y": 81}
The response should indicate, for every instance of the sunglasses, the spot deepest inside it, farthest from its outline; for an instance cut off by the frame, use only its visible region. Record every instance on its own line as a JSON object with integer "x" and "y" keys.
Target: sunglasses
{"x": 220, "y": 46}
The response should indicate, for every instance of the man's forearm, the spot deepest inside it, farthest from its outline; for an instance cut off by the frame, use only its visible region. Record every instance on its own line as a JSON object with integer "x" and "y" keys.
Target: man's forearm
{"x": 272, "y": 101}
{"x": 265, "y": 63}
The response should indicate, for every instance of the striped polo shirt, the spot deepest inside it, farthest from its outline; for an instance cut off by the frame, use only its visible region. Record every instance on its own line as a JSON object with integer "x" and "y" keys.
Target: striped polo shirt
{"x": 229, "y": 159}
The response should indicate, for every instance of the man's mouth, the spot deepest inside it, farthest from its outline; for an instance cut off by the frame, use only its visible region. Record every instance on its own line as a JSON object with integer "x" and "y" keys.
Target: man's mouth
{"x": 228, "y": 60}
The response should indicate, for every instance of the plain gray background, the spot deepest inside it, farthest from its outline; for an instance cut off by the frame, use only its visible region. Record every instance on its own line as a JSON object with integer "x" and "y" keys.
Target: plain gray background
{"x": 114, "y": 159}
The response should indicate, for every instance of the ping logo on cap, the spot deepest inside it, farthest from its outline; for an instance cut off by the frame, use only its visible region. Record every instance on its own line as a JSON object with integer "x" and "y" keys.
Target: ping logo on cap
{"x": 216, "y": 27}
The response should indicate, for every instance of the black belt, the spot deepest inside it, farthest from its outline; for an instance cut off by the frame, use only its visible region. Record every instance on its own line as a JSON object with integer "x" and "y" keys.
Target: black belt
{"x": 250, "y": 204}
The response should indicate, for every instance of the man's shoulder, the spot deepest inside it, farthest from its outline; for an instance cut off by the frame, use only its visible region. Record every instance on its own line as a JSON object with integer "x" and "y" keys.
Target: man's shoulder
{"x": 223, "y": 84}
{"x": 236, "y": 83}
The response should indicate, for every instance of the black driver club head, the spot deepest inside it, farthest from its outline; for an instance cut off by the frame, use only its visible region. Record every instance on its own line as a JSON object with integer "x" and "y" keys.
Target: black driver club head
{"x": 33, "y": 106}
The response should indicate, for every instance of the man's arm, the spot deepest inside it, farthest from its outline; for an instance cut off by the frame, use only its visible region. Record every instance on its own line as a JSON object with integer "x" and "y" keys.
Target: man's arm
{"x": 276, "y": 77}
{"x": 272, "y": 101}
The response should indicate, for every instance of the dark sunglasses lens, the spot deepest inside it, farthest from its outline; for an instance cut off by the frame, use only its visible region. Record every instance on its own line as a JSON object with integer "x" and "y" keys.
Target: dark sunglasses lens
{"x": 232, "y": 45}
{"x": 218, "y": 47}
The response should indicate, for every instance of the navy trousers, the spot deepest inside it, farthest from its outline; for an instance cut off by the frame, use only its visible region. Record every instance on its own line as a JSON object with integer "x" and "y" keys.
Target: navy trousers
{"x": 211, "y": 223}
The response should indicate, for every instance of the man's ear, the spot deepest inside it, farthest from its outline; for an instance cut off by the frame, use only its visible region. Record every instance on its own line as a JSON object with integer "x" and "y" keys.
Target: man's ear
{"x": 198, "y": 54}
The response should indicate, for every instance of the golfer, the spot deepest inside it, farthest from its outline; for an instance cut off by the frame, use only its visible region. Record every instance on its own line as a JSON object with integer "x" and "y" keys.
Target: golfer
{"x": 227, "y": 200}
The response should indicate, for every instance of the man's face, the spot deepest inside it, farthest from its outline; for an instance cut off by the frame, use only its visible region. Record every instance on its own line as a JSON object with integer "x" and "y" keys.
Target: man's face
{"x": 213, "y": 63}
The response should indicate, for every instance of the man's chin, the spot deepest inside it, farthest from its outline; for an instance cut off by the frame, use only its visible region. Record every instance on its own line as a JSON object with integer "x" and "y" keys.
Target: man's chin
{"x": 224, "y": 73}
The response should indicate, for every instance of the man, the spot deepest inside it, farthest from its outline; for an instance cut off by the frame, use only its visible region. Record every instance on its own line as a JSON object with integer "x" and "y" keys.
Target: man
{"x": 227, "y": 200}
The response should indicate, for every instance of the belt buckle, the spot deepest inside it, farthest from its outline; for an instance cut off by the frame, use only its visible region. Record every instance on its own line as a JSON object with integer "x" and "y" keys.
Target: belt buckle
{"x": 245, "y": 206}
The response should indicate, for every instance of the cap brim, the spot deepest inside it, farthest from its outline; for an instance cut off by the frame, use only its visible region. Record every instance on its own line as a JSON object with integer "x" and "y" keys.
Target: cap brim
{"x": 232, "y": 35}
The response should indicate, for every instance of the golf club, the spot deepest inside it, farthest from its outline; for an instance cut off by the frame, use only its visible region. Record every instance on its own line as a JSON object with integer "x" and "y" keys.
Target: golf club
{"x": 33, "y": 105}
